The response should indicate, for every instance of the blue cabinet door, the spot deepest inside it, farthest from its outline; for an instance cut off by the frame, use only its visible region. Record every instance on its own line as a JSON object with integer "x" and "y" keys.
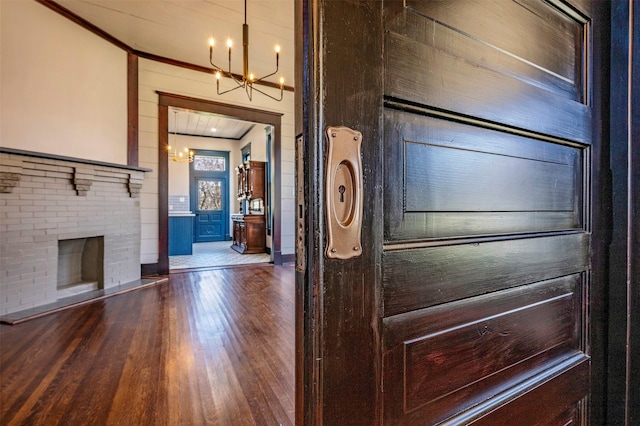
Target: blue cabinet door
{"x": 180, "y": 235}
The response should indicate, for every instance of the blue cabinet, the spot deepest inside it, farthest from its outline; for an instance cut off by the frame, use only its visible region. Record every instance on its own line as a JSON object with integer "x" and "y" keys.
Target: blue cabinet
{"x": 180, "y": 235}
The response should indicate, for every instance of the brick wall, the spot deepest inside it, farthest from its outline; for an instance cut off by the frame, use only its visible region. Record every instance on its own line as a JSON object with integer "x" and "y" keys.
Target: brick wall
{"x": 43, "y": 200}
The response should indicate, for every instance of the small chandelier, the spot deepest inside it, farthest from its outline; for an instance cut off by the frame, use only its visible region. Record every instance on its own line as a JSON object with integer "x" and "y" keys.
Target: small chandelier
{"x": 247, "y": 80}
{"x": 179, "y": 156}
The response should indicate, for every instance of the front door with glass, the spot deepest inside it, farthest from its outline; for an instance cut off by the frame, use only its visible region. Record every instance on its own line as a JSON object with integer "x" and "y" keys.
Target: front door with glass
{"x": 210, "y": 195}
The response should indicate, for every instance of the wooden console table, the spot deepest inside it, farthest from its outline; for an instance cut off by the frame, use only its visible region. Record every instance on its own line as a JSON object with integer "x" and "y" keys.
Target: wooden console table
{"x": 248, "y": 233}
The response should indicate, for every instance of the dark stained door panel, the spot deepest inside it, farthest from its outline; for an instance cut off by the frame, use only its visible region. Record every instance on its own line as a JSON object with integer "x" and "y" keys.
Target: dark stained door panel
{"x": 485, "y": 261}
{"x": 477, "y": 298}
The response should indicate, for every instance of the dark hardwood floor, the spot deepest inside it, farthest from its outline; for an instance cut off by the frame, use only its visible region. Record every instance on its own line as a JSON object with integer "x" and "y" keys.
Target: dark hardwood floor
{"x": 207, "y": 348}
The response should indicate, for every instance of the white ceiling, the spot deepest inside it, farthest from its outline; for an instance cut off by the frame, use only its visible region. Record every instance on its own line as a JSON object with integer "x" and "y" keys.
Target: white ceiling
{"x": 180, "y": 30}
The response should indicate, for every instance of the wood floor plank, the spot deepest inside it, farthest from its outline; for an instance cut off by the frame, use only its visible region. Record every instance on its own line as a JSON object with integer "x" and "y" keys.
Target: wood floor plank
{"x": 206, "y": 348}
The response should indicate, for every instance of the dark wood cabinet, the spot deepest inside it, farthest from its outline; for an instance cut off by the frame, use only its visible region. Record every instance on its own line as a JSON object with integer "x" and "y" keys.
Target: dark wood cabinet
{"x": 248, "y": 233}
{"x": 249, "y": 230}
{"x": 251, "y": 178}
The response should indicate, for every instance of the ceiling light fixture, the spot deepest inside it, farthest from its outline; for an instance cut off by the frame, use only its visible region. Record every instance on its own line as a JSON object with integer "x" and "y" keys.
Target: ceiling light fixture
{"x": 179, "y": 156}
{"x": 247, "y": 79}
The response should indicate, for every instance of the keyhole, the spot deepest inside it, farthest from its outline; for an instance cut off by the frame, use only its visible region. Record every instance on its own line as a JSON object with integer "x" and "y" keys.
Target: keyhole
{"x": 341, "y": 190}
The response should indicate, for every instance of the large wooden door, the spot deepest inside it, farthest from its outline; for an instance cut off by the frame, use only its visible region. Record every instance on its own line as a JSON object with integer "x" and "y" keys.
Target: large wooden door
{"x": 476, "y": 297}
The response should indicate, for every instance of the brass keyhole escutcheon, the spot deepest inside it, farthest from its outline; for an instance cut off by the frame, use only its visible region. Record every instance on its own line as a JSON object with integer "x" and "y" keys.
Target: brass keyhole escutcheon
{"x": 343, "y": 192}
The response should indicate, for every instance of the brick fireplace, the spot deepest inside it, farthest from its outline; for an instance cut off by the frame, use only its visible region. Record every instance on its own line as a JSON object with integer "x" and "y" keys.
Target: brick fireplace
{"x": 66, "y": 226}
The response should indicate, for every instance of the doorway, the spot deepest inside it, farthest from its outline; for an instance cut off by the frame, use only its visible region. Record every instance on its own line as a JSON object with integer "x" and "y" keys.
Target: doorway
{"x": 263, "y": 119}
{"x": 204, "y": 192}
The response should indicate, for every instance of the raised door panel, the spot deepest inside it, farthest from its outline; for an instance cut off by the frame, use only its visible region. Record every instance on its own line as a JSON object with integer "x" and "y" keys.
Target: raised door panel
{"x": 428, "y": 276}
{"x": 462, "y": 181}
{"x": 255, "y": 179}
{"x": 254, "y": 233}
{"x": 471, "y": 350}
{"x": 533, "y": 51}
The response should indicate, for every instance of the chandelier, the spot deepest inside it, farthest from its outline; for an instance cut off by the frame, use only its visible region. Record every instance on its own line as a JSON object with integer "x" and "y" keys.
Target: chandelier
{"x": 247, "y": 79}
{"x": 179, "y": 156}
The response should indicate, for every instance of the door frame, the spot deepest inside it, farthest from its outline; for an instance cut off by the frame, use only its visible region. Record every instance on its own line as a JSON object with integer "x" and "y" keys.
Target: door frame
{"x": 335, "y": 383}
{"x": 166, "y": 100}
{"x": 624, "y": 253}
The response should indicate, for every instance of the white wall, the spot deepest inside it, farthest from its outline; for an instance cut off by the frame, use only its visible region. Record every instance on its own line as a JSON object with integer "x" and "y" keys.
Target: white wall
{"x": 64, "y": 90}
{"x": 156, "y": 76}
{"x": 257, "y": 137}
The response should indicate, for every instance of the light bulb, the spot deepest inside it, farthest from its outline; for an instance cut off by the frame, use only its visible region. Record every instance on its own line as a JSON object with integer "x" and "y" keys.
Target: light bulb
{"x": 251, "y": 77}
{"x": 218, "y": 75}
{"x": 277, "y": 49}
{"x": 211, "y": 42}
{"x": 229, "y": 43}
{"x": 213, "y": 129}
{"x": 281, "y": 81}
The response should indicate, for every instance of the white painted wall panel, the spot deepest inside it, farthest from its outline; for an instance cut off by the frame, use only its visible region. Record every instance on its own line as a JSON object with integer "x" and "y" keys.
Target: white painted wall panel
{"x": 64, "y": 90}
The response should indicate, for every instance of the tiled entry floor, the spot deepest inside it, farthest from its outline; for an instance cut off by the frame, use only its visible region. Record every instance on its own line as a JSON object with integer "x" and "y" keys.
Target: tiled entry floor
{"x": 218, "y": 253}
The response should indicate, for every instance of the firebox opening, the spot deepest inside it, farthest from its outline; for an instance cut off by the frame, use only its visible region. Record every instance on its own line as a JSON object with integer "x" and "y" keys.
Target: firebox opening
{"x": 80, "y": 266}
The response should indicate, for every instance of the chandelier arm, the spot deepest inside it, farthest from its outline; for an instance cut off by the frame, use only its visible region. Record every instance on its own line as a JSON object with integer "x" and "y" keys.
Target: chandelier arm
{"x": 229, "y": 90}
{"x": 240, "y": 83}
{"x": 269, "y": 75}
{"x": 215, "y": 67}
{"x": 265, "y": 76}
{"x": 230, "y": 75}
{"x": 268, "y": 95}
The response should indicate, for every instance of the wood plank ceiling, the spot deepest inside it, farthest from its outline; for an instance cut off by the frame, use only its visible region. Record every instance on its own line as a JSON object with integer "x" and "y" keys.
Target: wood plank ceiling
{"x": 197, "y": 123}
